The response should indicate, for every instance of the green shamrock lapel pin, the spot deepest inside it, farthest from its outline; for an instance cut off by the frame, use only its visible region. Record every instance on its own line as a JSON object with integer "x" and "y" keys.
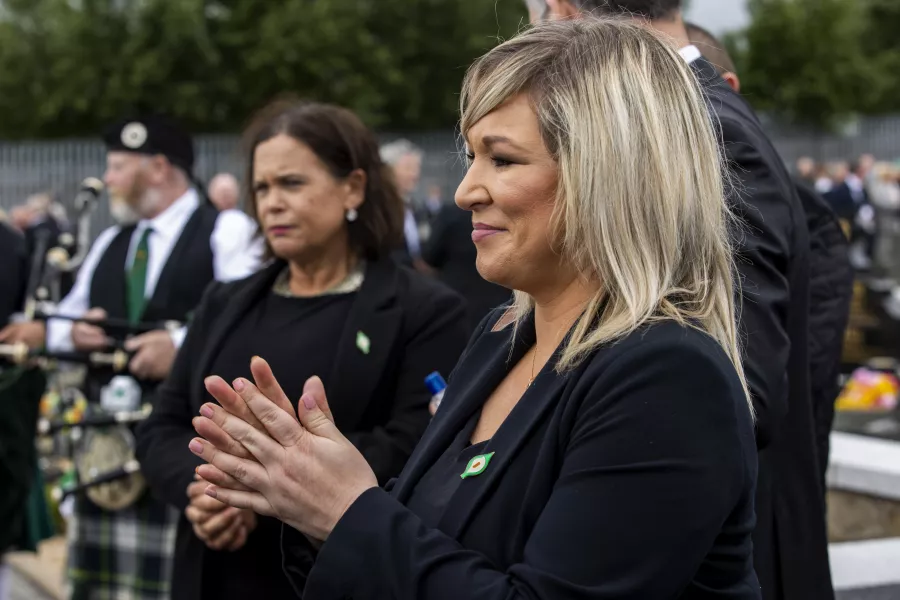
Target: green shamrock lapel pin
{"x": 363, "y": 342}
{"x": 477, "y": 465}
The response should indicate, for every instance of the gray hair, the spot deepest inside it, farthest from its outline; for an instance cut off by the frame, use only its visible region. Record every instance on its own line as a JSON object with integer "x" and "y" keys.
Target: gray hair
{"x": 392, "y": 152}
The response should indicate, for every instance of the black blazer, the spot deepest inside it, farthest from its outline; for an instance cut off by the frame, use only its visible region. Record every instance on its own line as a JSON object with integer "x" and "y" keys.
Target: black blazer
{"x": 631, "y": 477}
{"x": 450, "y": 250}
{"x": 379, "y": 401}
{"x": 790, "y": 541}
{"x": 14, "y": 273}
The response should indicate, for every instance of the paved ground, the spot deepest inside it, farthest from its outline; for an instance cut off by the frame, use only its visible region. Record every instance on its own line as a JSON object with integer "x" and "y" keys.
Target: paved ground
{"x": 884, "y": 593}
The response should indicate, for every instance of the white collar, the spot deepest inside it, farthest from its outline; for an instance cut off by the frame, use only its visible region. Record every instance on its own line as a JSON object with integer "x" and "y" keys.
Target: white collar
{"x": 690, "y": 53}
{"x": 171, "y": 221}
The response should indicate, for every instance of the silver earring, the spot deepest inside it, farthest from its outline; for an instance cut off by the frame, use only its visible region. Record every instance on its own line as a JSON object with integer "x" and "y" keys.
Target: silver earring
{"x": 352, "y": 214}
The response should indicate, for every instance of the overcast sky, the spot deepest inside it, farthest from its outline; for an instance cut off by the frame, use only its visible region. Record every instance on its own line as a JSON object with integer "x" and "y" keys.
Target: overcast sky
{"x": 719, "y": 15}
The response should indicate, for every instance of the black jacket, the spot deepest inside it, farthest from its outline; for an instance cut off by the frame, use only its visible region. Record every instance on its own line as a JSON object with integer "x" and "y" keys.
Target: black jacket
{"x": 841, "y": 200}
{"x": 831, "y": 292}
{"x": 450, "y": 250}
{"x": 20, "y": 394}
{"x": 379, "y": 400}
{"x": 622, "y": 479}
{"x": 790, "y": 541}
{"x": 13, "y": 272}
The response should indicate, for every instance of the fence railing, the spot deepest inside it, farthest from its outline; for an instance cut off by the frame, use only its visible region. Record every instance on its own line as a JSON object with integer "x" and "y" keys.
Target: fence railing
{"x": 59, "y": 166}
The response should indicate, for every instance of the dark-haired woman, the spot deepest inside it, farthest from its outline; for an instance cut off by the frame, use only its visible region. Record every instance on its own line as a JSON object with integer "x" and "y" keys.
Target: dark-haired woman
{"x": 331, "y": 302}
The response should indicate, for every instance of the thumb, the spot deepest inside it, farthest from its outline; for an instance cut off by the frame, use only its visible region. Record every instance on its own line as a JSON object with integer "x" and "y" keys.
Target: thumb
{"x": 133, "y": 344}
{"x": 316, "y": 388}
{"x": 314, "y": 419}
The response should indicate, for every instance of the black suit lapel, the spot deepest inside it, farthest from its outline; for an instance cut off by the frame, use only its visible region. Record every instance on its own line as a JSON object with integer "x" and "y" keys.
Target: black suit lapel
{"x": 235, "y": 309}
{"x": 164, "y": 285}
{"x": 366, "y": 344}
{"x": 485, "y": 365}
{"x": 525, "y": 417}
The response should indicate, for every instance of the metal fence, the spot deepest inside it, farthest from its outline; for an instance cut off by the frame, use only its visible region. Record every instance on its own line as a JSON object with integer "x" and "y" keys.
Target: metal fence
{"x": 59, "y": 166}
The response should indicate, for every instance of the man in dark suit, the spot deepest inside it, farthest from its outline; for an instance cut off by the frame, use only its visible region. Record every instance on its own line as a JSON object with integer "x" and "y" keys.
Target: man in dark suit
{"x": 830, "y": 272}
{"x": 791, "y": 551}
{"x": 451, "y": 252}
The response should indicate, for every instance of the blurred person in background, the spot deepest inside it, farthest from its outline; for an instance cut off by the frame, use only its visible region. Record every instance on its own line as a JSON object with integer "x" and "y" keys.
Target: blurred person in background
{"x": 224, "y": 191}
{"x": 225, "y": 194}
{"x": 49, "y": 227}
{"x": 152, "y": 267}
{"x": 405, "y": 160}
{"x": 830, "y": 274}
{"x": 452, "y": 254}
{"x": 850, "y": 200}
{"x": 790, "y": 541}
{"x": 841, "y": 196}
{"x": 434, "y": 201}
{"x": 20, "y": 217}
{"x": 536, "y": 479}
{"x": 824, "y": 183}
{"x": 806, "y": 166}
{"x": 332, "y": 302}
{"x": 884, "y": 195}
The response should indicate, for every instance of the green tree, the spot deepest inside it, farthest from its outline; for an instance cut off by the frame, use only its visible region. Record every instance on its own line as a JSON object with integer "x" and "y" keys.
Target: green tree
{"x": 803, "y": 60}
{"x": 882, "y": 50}
{"x": 69, "y": 66}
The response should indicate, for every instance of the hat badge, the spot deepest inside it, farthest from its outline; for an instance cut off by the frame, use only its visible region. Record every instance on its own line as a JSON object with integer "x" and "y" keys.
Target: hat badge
{"x": 134, "y": 135}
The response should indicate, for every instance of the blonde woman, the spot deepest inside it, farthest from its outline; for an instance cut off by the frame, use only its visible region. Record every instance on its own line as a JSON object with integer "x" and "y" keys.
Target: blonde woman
{"x": 596, "y": 440}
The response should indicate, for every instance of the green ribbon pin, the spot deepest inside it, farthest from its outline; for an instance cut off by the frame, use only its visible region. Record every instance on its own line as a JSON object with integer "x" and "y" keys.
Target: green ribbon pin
{"x": 477, "y": 465}
{"x": 363, "y": 342}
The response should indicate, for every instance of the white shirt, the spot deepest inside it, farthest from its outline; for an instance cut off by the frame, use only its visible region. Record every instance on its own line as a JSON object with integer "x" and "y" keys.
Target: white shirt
{"x": 690, "y": 53}
{"x": 237, "y": 253}
{"x": 857, "y": 188}
{"x": 411, "y": 232}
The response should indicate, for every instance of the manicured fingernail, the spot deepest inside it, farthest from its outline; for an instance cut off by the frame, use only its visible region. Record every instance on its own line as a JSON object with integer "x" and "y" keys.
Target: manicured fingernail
{"x": 207, "y": 411}
{"x": 308, "y": 401}
{"x": 211, "y": 492}
{"x": 239, "y": 385}
{"x": 196, "y": 447}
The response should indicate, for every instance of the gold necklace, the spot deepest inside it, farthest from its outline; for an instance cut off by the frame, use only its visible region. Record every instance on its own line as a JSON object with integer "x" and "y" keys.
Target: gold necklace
{"x": 533, "y": 359}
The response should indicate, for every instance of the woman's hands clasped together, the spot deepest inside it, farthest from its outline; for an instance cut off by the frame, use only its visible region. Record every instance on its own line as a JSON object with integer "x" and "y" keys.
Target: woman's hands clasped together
{"x": 263, "y": 456}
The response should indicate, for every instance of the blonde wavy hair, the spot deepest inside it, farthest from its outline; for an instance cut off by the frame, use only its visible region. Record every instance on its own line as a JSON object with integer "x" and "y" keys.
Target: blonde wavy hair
{"x": 640, "y": 203}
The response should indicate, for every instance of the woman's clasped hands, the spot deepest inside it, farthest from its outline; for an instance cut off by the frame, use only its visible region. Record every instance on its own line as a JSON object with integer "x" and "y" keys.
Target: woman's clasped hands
{"x": 264, "y": 456}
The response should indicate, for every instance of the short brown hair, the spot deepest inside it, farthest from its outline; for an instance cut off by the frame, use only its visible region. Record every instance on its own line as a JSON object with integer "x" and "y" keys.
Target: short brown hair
{"x": 343, "y": 143}
{"x": 711, "y": 48}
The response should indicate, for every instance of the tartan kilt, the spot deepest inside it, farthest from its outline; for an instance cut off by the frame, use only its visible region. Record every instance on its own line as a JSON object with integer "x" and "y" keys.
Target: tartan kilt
{"x": 121, "y": 555}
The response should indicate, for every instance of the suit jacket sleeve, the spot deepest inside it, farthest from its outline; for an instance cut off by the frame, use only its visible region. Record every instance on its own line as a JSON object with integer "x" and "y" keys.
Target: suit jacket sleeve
{"x": 655, "y": 463}
{"x": 162, "y": 440}
{"x": 435, "y": 337}
{"x": 763, "y": 259}
{"x": 14, "y": 274}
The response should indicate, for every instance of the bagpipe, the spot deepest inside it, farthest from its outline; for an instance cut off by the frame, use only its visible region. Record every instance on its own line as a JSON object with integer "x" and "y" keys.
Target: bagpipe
{"x": 97, "y": 435}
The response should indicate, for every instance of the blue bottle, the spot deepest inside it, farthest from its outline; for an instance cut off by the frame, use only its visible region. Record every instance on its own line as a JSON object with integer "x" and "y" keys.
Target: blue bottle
{"x": 436, "y": 385}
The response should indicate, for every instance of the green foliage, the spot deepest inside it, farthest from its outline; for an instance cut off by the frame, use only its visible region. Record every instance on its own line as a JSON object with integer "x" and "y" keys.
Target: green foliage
{"x": 820, "y": 62}
{"x": 69, "y": 66}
